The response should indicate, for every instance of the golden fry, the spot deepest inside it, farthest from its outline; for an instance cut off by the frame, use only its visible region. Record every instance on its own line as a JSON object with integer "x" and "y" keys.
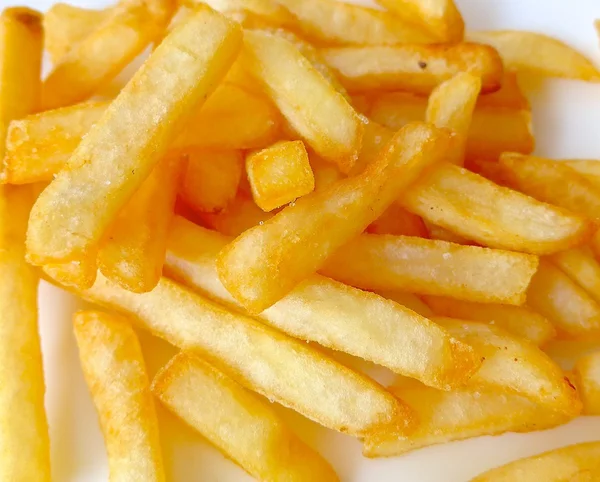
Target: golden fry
{"x": 567, "y": 352}
{"x": 268, "y": 10}
{"x": 240, "y": 215}
{"x": 332, "y": 314}
{"x": 410, "y": 301}
{"x": 325, "y": 173}
{"x": 581, "y": 266}
{"x": 413, "y": 68}
{"x": 268, "y": 261}
{"x": 587, "y": 379}
{"x": 74, "y": 274}
{"x": 120, "y": 151}
{"x": 115, "y": 373}
{"x": 398, "y": 221}
{"x": 509, "y": 96}
{"x": 588, "y": 168}
{"x": 237, "y": 422}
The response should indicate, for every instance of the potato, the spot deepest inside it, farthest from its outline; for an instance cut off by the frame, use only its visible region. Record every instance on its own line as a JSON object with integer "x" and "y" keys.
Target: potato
{"x": 241, "y": 214}
{"x": 332, "y": 314}
{"x": 120, "y": 151}
{"x": 268, "y": 261}
{"x": 268, "y": 10}
{"x": 587, "y": 379}
{"x": 429, "y": 267}
{"x": 398, "y": 221}
{"x": 537, "y": 53}
{"x": 100, "y": 56}
{"x": 279, "y": 174}
{"x": 237, "y": 422}
{"x": 477, "y": 209}
{"x": 325, "y": 173}
{"x": 413, "y": 68}
{"x": 588, "y": 168}
{"x": 211, "y": 178}
{"x": 115, "y": 372}
{"x": 509, "y": 96}
{"x": 520, "y": 321}
{"x": 408, "y": 300}
{"x": 576, "y": 463}
{"x": 581, "y": 266}
{"x": 313, "y": 108}
{"x": 74, "y": 274}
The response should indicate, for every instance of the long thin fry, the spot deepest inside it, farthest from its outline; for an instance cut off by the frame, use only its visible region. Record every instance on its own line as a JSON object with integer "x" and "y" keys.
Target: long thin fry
{"x": 115, "y": 373}
{"x": 131, "y": 137}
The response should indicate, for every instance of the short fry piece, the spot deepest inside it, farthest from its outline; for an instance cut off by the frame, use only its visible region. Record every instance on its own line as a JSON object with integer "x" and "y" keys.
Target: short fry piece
{"x": 494, "y": 216}
{"x": 413, "y": 68}
{"x": 211, "y": 179}
{"x": 581, "y": 266}
{"x": 451, "y": 105}
{"x": 115, "y": 373}
{"x": 424, "y": 266}
{"x": 266, "y": 262}
{"x": 100, "y": 56}
{"x": 279, "y": 174}
{"x": 576, "y": 463}
{"x": 587, "y": 379}
{"x": 237, "y": 422}
{"x": 120, "y": 151}
{"x": 553, "y": 294}
{"x": 537, "y": 53}
{"x": 517, "y": 320}
{"x": 332, "y": 314}
{"x": 320, "y": 114}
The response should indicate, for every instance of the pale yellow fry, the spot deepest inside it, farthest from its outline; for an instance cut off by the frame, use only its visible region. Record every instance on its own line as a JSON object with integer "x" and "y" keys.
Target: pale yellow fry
{"x": 457, "y": 415}
{"x": 439, "y": 18}
{"x": 24, "y": 444}
{"x": 451, "y": 105}
{"x": 517, "y": 320}
{"x": 133, "y": 252}
{"x": 581, "y": 266}
{"x": 66, "y": 25}
{"x": 99, "y": 57}
{"x": 513, "y": 365}
{"x": 478, "y": 209}
{"x": 553, "y": 294}
{"x": 313, "y": 108}
{"x": 266, "y": 262}
{"x": 338, "y": 23}
{"x": 537, "y": 53}
{"x": 237, "y": 422}
{"x": 253, "y": 354}
{"x": 430, "y": 267}
{"x": 117, "y": 155}
{"x": 587, "y": 379}
{"x": 575, "y": 463}
{"x": 115, "y": 373}
{"x": 332, "y": 314}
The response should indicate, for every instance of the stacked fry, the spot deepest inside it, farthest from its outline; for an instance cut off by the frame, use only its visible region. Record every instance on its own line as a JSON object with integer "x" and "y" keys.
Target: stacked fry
{"x": 287, "y": 171}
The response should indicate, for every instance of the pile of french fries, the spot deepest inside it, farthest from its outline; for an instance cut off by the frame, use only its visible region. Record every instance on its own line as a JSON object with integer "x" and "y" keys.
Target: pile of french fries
{"x": 279, "y": 172}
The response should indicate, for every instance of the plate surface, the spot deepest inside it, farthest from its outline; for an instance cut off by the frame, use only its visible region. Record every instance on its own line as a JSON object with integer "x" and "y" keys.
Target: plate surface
{"x": 566, "y": 120}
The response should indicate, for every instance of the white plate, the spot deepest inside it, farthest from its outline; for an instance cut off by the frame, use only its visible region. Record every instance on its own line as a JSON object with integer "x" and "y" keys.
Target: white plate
{"x": 566, "y": 119}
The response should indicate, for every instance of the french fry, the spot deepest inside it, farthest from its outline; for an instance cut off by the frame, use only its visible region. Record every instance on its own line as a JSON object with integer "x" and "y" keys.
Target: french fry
{"x": 553, "y": 294}
{"x": 313, "y": 108}
{"x": 451, "y": 105}
{"x": 413, "y": 68}
{"x": 375, "y": 138}
{"x": 430, "y": 267}
{"x": 74, "y": 274}
{"x": 115, "y": 373}
{"x": 581, "y": 266}
{"x": 441, "y": 234}
{"x": 241, "y": 215}
{"x": 509, "y": 96}
{"x": 494, "y": 216}
{"x": 323, "y": 220}
{"x": 66, "y": 25}
{"x": 337, "y": 23}
{"x": 513, "y": 365}
{"x": 133, "y": 252}
{"x": 100, "y": 56}
{"x": 457, "y": 415}
{"x": 237, "y": 422}
{"x": 493, "y": 129}
{"x": 279, "y": 174}
{"x": 567, "y": 352}
{"x": 211, "y": 179}
{"x": 536, "y": 53}
{"x": 131, "y": 137}
{"x": 410, "y": 301}
{"x": 575, "y": 463}
{"x": 324, "y": 172}
{"x": 439, "y": 18}
{"x": 268, "y": 10}
{"x": 332, "y": 314}
{"x": 587, "y": 379}
{"x": 517, "y": 320}
{"x": 398, "y": 221}
{"x": 253, "y": 354}
{"x": 24, "y": 441}
{"x": 588, "y": 168}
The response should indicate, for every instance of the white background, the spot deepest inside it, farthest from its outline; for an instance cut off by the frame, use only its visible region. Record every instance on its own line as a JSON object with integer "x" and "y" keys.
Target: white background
{"x": 566, "y": 123}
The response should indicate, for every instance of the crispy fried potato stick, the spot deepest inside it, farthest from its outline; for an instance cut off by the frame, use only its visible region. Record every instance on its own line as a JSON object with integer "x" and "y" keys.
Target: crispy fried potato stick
{"x": 398, "y": 221}
{"x": 237, "y": 422}
{"x": 587, "y": 379}
{"x": 267, "y": 10}
{"x": 410, "y": 301}
{"x": 332, "y": 314}
{"x": 240, "y": 215}
{"x": 115, "y": 373}
{"x": 266, "y": 262}
{"x": 581, "y": 266}
{"x": 120, "y": 151}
